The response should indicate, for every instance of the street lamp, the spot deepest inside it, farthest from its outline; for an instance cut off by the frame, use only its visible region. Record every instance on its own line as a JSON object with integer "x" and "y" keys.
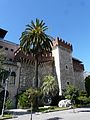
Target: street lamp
{"x": 5, "y": 93}
{"x": 5, "y": 77}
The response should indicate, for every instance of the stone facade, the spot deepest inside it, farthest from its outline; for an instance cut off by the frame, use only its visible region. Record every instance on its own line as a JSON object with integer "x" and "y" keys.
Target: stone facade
{"x": 27, "y": 72}
{"x": 78, "y": 74}
{"x": 68, "y": 69}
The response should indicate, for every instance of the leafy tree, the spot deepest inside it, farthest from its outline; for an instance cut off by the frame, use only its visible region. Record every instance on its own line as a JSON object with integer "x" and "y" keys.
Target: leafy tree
{"x": 83, "y": 100}
{"x": 87, "y": 85}
{"x": 71, "y": 93}
{"x": 2, "y": 59}
{"x": 49, "y": 86}
{"x": 3, "y": 72}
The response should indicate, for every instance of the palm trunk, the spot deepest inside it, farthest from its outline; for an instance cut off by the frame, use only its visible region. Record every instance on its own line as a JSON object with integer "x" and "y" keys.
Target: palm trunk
{"x": 35, "y": 106}
{"x": 36, "y": 71}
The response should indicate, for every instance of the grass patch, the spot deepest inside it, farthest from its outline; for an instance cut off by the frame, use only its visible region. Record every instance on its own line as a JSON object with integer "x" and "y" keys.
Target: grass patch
{"x": 51, "y": 109}
{"x": 6, "y": 116}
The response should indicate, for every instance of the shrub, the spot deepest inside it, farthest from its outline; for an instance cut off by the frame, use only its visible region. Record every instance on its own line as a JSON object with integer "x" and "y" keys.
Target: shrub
{"x": 71, "y": 93}
{"x": 9, "y": 104}
{"x": 83, "y": 100}
{"x": 23, "y": 101}
{"x": 28, "y": 97}
{"x": 87, "y": 85}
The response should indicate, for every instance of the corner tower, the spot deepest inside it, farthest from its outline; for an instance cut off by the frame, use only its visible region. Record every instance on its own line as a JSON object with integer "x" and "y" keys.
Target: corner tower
{"x": 62, "y": 53}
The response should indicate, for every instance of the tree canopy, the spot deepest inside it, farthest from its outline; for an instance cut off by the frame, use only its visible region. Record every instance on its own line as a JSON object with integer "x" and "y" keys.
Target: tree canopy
{"x": 34, "y": 39}
{"x": 87, "y": 85}
{"x": 3, "y": 73}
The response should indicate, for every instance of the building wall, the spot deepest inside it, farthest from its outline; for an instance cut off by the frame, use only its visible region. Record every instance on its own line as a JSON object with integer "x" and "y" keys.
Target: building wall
{"x": 27, "y": 73}
{"x": 9, "y": 48}
{"x": 79, "y": 80}
{"x": 79, "y": 74}
{"x": 68, "y": 70}
{"x": 66, "y": 67}
{"x": 12, "y": 87}
{"x": 63, "y": 66}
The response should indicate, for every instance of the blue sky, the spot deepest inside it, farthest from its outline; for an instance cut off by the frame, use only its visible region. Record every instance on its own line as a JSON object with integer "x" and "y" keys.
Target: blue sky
{"x": 67, "y": 19}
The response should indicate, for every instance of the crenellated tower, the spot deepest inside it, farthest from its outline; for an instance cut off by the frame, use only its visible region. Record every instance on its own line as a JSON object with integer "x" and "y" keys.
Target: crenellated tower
{"x": 62, "y": 52}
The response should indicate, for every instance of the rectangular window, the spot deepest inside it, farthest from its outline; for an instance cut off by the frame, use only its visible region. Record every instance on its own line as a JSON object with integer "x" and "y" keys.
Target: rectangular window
{"x": 6, "y": 48}
{"x": 12, "y": 50}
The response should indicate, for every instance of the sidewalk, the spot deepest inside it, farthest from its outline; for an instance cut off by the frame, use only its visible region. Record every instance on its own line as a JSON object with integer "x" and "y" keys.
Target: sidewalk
{"x": 79, "y": 114}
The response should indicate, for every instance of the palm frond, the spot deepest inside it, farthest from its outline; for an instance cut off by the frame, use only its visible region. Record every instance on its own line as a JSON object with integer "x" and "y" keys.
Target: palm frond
{"x": 29, "y": 26}
{"x": 37, "y": 22}
{"x": 34, "y": 37}
{"x": 33, "y": 24}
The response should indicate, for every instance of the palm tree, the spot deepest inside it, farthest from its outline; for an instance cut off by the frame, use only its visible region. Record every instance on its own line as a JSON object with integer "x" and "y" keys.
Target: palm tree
{"x": 49, "y": 86}
{"x": 34, "y": 40}
{"x": 49, "y": 89}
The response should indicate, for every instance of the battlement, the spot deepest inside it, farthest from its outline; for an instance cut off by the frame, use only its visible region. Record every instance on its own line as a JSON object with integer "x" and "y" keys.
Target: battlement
{"x": 21, "y": 56}
{"x": 60, "y": 42}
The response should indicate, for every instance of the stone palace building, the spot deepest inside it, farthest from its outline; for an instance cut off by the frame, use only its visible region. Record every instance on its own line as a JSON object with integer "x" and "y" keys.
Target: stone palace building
{"x": 59, "y": 63}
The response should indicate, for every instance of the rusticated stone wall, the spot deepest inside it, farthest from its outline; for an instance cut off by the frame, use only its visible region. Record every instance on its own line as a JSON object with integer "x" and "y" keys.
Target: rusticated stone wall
{"x": 79, "y": 80}
{"x": 27, "y": 74}
{"x": 12, "y": 87}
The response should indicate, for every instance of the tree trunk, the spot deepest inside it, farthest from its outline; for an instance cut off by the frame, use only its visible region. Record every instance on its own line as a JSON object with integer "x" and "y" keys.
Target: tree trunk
{"x": 36, "y": 71}
{"x": 35, "y": 106}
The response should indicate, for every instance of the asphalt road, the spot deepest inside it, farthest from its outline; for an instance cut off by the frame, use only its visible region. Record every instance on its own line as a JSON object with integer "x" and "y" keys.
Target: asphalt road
{"x": 78, "y": 114}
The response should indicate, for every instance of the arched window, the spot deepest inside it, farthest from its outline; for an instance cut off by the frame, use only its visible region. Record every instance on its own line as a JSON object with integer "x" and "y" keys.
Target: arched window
{"x": 68, "y": 83}
{"x": 66, "y": 67}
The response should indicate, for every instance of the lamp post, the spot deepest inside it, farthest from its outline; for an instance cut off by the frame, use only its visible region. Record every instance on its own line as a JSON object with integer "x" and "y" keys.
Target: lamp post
{"x": 5, "y": 74}
{"x": 4, "y": 96}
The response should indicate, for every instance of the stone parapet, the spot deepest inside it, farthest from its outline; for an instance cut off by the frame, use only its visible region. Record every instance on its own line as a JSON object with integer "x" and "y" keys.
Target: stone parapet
{"x": 28, "y": 58}
{"x": 60, "y": 42}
